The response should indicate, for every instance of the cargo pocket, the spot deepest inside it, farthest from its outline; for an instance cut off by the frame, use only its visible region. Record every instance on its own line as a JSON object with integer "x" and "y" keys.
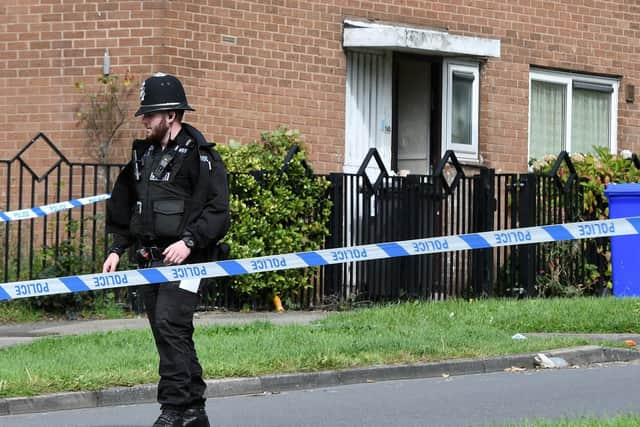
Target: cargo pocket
{"x": 167, "y": 217}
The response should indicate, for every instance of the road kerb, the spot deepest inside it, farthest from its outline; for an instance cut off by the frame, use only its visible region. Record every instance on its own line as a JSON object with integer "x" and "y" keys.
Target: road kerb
{"x": 146, "y": 393}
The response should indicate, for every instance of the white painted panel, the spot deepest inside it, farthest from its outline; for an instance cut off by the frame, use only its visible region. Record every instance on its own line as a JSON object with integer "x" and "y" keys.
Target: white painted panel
{"x": 368, "y": 107}
{"x": 368, "y": 119}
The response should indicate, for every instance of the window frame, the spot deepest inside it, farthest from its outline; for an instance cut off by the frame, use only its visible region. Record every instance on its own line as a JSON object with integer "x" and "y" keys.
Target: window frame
{"x": 449, "y": 67}
{"x": 568, "y": 79}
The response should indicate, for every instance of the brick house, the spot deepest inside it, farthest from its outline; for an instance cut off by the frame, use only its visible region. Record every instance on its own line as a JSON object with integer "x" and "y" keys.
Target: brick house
{"x": 498, "y": 82}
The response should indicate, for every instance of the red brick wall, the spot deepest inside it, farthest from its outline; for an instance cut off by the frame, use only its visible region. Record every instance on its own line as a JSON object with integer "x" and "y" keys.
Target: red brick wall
{"x": 250, "y": 66}
{"x": 46, "y": 46}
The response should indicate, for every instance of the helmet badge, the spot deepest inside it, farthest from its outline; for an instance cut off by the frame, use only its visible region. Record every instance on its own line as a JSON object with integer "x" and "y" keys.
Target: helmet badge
{"x": 142, "y": 92}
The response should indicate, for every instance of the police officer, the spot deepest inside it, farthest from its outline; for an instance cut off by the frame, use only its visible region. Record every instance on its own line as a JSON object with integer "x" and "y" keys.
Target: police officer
{"x": 171, "y": 204}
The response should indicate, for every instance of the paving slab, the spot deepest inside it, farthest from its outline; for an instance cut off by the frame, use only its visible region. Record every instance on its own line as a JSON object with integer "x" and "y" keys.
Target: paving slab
{"x": 19, "y": 333}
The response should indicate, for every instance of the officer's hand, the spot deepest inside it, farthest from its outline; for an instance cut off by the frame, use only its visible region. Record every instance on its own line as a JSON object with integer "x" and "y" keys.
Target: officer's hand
{"x": 176, "y": 253}
{"x": 111, "y": 263}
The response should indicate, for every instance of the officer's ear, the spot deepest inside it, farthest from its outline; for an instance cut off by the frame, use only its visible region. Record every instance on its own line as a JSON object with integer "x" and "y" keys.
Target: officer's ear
{"x": 171, "y": 115}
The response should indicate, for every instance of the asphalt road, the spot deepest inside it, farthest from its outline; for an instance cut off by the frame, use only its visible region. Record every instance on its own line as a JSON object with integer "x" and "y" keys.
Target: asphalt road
{"x": 471, "y": 400}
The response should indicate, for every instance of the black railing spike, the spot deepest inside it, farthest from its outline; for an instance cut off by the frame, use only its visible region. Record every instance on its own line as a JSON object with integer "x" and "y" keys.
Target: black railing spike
{"x": 285, "y": 163}
{"x": 287, "y": 159}
{"x": 258, "y": 175}
{"x": 49, "y": 143}
{"x": 449, "y": 157}
{"x": 573, "y": 175}
{"x": 61, "y": 157}
{"x": 362, "y": 171}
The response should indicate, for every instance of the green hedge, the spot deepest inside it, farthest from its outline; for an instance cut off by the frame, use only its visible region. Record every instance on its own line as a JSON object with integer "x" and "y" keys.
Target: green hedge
{"x": 275, "y": 209}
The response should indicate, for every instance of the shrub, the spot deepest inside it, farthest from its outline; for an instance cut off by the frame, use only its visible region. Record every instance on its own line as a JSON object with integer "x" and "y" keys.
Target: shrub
{"x": 276, "y": 208}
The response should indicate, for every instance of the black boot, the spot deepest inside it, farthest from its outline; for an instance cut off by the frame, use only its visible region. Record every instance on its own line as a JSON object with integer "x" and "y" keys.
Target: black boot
{"x": 195, "y": 417}
{"x": 169, "y": 418}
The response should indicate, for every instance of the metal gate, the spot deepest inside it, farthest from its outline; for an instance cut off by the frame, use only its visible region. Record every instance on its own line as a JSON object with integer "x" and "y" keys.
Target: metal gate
{"x": 449, "y": 202}
{"x": 392, "y": 208}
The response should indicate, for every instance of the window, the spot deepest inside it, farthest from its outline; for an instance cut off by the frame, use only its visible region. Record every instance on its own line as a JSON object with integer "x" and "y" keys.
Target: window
{"x": 571, "y": 112}
{"x": 460, "y": 102}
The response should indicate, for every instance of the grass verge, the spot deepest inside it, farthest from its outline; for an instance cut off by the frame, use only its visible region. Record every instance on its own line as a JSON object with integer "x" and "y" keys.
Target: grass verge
{"x": 18, "y": 311}
{"x": 618, "y": 421}
{"x": 390, "y": 334}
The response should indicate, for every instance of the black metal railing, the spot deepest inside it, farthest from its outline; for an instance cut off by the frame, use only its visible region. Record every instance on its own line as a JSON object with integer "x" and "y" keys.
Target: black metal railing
{"x": 451, "y": 202}
{"x": 369, "y": 206}
{"x": 33, "y": 245}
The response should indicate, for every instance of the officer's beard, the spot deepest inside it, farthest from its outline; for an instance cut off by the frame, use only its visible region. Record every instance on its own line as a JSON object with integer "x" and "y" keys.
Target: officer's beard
{"x": 158, "y": 133}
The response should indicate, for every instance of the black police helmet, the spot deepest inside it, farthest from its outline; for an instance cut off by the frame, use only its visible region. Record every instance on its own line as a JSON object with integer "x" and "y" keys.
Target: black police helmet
{"x": 162, "y": 92}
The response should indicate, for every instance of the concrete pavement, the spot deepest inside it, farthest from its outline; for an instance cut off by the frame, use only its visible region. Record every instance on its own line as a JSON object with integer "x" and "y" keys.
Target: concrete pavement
{"x": 18, "y": 333}
{"x": 22, "y": 333}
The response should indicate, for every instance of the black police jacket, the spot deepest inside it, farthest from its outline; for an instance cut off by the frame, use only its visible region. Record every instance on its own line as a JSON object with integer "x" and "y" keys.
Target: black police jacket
{"x": 162, "y": 196}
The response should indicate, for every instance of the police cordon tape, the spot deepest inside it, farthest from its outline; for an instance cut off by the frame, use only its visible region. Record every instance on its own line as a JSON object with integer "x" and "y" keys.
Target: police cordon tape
{"x": 190, "y": 275}
{"x": 51, "y": 208}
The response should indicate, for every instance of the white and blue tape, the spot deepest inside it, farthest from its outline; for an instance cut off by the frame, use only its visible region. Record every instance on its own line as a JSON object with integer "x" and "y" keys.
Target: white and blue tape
{"x": 49, "y": 209}
{"x": 190, "y": 274}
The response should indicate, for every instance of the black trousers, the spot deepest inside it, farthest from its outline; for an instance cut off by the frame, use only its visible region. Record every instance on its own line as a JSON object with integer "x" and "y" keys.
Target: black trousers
{"x": 170, "y": 312}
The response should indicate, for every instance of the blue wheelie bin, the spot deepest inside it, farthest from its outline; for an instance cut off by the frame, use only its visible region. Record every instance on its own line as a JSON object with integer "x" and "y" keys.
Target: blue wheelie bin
{"x": 624, "y": 201}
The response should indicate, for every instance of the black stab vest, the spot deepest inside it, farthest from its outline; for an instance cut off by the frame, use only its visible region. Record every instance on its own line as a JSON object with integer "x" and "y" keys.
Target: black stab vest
{"x": 160, "y": 213}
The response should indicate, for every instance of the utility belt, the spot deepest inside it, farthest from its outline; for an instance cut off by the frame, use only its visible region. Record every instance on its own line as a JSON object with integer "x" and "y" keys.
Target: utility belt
{"x": 151, "y": 255}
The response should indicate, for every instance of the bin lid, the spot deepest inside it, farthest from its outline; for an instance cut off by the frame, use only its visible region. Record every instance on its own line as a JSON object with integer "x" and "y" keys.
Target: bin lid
{"x": 626, "y": 189}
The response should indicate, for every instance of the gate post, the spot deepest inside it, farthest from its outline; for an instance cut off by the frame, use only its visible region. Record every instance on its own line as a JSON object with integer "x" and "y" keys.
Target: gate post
{"x": 527, "y": 218}
{"x": 485, "y": 204}
{"x": 333, "y": 273}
